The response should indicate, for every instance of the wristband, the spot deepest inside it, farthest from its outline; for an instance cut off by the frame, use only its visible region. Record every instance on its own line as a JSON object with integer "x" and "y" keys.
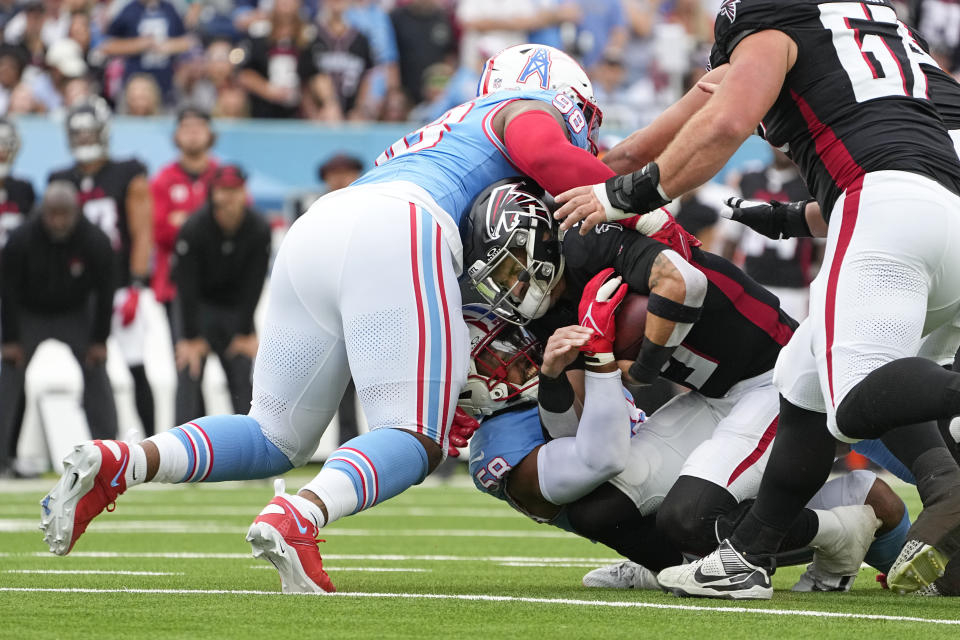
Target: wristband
{"x": 672, "y": 310}
{"x": 637, "y": 192}
{"x": 598, "y": 359}
{"x": 555, "y": 394}
{"x": 141, "y": 282}
{"x": 795, "y": 220}
{"x": 650, "y": 361}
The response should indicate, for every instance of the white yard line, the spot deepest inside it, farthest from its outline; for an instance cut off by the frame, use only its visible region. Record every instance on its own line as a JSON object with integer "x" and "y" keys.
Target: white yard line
{"x": 373, "y": 569}
{"x": 846, "y": 615}
{"x": 251, "y": 512}
{"x": 95, "y": 572}
{"x": 23, "y": 525}
{"x": 190, "y": 555}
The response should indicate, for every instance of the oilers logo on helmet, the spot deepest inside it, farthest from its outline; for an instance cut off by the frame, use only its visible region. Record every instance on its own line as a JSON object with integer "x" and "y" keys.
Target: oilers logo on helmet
{"x": 538, "y": 63}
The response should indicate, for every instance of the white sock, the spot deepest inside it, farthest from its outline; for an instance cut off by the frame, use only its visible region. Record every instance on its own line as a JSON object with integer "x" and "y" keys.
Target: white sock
{"x": 337, "y": 492}
{"x": 308, "y": 509}
{"x": 828, "y": 530}
{"x": 136, "y": 472}
{"x": 173, "y": 458}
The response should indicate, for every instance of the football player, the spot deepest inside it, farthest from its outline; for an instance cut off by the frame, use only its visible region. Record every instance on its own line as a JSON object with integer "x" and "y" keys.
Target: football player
{"x": 603, "y": 474}
{"x": 116, "y": 197}
{"x": 839, "y": 86}
{"x": 16, "y": 195}
{"x": 364, "y": 285}
{"x": 721, "y": 333}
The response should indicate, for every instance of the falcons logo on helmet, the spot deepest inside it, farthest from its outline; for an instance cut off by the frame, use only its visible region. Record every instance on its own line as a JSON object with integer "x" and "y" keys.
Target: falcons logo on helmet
{"x": 507, "y": 203}
{"x": 729, "y": 9}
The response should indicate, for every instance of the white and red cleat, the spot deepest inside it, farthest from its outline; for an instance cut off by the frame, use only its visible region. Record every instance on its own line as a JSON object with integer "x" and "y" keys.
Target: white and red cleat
{"x": 287, "y": 539}
{"x": 93, "y": 477}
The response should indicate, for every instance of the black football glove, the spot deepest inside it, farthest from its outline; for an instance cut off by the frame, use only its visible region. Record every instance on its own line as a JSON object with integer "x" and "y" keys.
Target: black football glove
{"x": 776, "y": 220}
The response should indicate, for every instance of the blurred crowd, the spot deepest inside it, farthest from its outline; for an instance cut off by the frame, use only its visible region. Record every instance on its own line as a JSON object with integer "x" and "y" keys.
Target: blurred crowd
{"x": 333, "y": 60}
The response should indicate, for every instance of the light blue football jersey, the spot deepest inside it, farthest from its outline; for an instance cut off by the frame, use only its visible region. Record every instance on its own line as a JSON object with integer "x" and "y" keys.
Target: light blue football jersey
{"x": 457, "y": 156}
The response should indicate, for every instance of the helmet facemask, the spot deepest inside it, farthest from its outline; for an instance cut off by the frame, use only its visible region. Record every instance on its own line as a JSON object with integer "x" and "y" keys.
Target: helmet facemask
{"x": 504, "y": 364}
{"x": 522, "y": 269}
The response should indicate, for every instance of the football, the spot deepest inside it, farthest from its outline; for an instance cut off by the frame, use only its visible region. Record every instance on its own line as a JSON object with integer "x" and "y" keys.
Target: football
{"x": 631, "y": 322}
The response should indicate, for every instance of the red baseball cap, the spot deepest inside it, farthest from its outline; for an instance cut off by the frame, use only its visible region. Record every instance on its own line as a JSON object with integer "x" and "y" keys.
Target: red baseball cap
{"x": 229, "y": 175}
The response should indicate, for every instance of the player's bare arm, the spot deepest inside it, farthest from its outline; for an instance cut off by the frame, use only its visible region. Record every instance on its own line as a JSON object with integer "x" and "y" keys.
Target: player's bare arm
{"x": 644, "y": 145}
{"x": 677, "y": 291}
{"x": 703, "y": 145}
{"x": 140, "y": 221}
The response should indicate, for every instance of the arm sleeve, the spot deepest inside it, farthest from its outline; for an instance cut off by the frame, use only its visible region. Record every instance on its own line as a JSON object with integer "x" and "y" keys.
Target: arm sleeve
{"x": 164, "y": 233}
{"x": 103, "y": 259}
{"x": 252, "y": 280}
{"x": 570, "y": 468}
{"x": 186, "y": 276}
{"x": 538, "y": 146}
{"x": 11, "y": 276}
{"x": 635, "y": 260}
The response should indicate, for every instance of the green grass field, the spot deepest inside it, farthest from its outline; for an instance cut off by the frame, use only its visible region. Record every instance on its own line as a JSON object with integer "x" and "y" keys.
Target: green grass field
{"x": 440, "y": 560}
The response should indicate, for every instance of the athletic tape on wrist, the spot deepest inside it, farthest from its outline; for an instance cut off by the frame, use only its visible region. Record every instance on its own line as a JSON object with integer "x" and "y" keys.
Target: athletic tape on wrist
{"x": 610, "y": 211}
{"x": 598, "y": 359}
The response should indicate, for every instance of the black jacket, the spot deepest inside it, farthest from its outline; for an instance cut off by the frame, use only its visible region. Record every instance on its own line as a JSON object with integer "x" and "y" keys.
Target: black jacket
{"x": 47, "y": 277}
{"x": 219, "y": 270}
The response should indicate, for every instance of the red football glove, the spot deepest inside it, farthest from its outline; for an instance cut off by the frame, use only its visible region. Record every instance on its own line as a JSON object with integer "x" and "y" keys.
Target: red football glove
{"x": 460, "y": 431}
{"x": 598, "y": 304}
{"x": 128, "y": 310}
{"x": 662, "y": 227}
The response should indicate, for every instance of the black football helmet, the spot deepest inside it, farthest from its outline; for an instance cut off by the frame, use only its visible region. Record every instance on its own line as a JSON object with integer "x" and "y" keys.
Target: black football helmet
{"x": 9, "y": 146}
{"x": 88, "y": 129}
{"x": 510, "y": 239}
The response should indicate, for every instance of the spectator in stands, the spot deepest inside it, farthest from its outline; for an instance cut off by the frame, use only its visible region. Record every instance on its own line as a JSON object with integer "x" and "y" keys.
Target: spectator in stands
{"x": 8, "y": 8}
{"x": 221, "y": 264}
{"x": 12, "y": 63}
{"x": 25, "y": 30}
{"x": 81, "y": 31}
{"x": 343, "y": 54}
{"x": 179, "y": 189}
{"x": 16, "y": 195}
{"x": 202, "y": 81}
{"x": 232, "y": 102}
{"x": 141, "y": 96}
{"x": 369, "y": 18}
{"x": 602, "y": 29}
{"x": 424, "y": 33}
{"x": 491, "y": 25}
{"x": 148, "y": 35}
{"x": 64, "y": 62}
{"x": 57, "y": 282}
{"x": 277, "y": 72}
{"x": 210, "y": 18}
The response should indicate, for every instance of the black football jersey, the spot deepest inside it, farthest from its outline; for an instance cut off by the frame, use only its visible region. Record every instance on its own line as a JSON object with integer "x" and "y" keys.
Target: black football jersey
{"x": 741, "y": 327}
{"x": 16, "y": 202}
{"x": 856, "y": 100}
{"x": 104, "y": 199}
{"x": 944, "y": 90}
{"x": 775, "y": 263}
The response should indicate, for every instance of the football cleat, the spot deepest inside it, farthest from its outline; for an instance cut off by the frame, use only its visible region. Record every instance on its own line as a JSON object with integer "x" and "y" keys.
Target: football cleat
{"x": 929, "y": 591}
{"x": 917, "y": 566}
{"x": 93, "y": 477}
{"x": 814, "y": 579}
{"x": 623, "y": 575}
{"x": 724, "y": 574}
{"x": 853, "y": 528}
{"x": 287, "y": 539}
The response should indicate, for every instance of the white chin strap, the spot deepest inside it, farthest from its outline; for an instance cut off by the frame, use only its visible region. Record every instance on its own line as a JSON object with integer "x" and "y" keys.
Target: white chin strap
{"x": 535, "y": 302}
{"x": 88, "y": 153}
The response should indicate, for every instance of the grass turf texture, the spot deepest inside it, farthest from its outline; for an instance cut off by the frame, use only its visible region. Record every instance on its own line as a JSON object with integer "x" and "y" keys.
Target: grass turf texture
{"x": 450, "y": 540}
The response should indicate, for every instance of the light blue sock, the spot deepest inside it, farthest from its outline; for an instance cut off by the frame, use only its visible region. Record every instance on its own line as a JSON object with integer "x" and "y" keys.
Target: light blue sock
{"x": 878, "y": 452}
{"x": 218, "y": 448}
{"x": 379, "y": 465}
{"x": 886, "y": 548}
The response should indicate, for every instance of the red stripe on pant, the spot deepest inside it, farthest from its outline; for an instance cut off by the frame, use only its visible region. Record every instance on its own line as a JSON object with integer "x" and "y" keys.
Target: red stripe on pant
{"x": 447, "y": 365}
{"x": 851, "y": 206}
{"x": 421, "y": 353}
{"x": 373, "y": 470}
{"x": 757, "y": 453}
